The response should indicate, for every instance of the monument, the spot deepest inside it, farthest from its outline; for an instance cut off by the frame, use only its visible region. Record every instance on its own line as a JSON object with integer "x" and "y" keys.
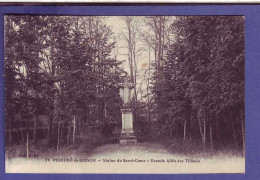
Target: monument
{"x": 127, "y": 133}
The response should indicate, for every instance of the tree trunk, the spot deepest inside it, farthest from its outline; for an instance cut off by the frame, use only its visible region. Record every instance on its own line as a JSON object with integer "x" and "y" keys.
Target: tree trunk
{"x": 50, "y": 129}
{"x": 58, "y": 141}
{"x": 130, "y": 57}
{"x": 234, "y": 133}
{"x": 35, "y": 128}
{"x": 184, "y": 130}
{"x": 27, "y": 113}
{"x": 155, "y": 62}
{"x": 200, "y": 128}
{"x": 61, "y": 135}
{"x": 101, "y": 114}
{"x": 21, "y": 130}
{"x": 45, "y": 132}
{"x": 204, "y": 133}
{"x": 49, "y": 136}
{"x": 172, "y": 128}
{"x": 105, "y": 112}
{"x": 74, "y": 129}
{"x": 10, "y": 132}
{"x": 148, "y": 94}
{"x": 211, "y": 140}
{"x": 68, "y": 136}
{"x": 27, "y": 144}
{"x": 160, "y": 42}
{"x": 52, "y": 105}
{"x": 243, "y": 132}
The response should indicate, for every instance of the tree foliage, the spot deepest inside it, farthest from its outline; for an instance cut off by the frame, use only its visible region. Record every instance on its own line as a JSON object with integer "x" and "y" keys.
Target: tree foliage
{"x": 59, "y": 68}
{"x": 202, "y": 81}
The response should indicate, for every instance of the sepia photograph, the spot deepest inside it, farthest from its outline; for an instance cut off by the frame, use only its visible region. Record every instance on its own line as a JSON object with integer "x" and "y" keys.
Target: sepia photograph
{"x": 124, "y": 94}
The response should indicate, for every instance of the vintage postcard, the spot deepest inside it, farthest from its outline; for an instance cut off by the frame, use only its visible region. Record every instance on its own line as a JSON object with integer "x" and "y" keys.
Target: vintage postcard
{"x": 124, "y": 94}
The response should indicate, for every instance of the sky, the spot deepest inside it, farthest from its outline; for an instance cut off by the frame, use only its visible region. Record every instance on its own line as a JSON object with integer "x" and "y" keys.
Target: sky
{"x": 118, "y": 26}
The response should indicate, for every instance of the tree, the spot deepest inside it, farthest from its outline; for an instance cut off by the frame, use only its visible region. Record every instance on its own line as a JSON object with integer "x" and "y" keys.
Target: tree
{"x": 201, "y": 63}
{"x": 57, "y": 69}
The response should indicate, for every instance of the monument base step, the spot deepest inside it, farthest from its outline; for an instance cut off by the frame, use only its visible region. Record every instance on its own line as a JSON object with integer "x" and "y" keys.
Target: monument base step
{"x": 127, "y": 140}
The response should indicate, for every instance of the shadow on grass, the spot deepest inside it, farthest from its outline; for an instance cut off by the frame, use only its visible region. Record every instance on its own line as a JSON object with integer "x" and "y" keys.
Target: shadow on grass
{"x": 83, "y": 146}
{"x": 195, "y": 148}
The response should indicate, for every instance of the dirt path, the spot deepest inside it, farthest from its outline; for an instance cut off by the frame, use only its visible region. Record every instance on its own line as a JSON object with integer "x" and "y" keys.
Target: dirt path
{"x": 139, "y": 150}
{"x": 139, "y": 158}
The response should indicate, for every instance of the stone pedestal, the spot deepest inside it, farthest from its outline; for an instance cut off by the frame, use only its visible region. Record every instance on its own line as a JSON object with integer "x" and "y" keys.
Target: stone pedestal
{"x": 127, "y": 132}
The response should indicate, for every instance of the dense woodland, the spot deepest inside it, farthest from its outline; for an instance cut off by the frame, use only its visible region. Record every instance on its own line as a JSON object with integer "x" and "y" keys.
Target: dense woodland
{"x": 61, "y": 76}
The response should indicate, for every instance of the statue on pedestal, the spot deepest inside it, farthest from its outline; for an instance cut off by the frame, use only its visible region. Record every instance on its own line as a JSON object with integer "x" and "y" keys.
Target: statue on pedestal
{"x": 127, "y": 132}
{"x": 126, "y": 91}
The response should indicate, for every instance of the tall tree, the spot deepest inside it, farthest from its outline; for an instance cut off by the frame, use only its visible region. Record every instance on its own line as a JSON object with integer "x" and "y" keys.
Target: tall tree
{"x": 207, "y": 64}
